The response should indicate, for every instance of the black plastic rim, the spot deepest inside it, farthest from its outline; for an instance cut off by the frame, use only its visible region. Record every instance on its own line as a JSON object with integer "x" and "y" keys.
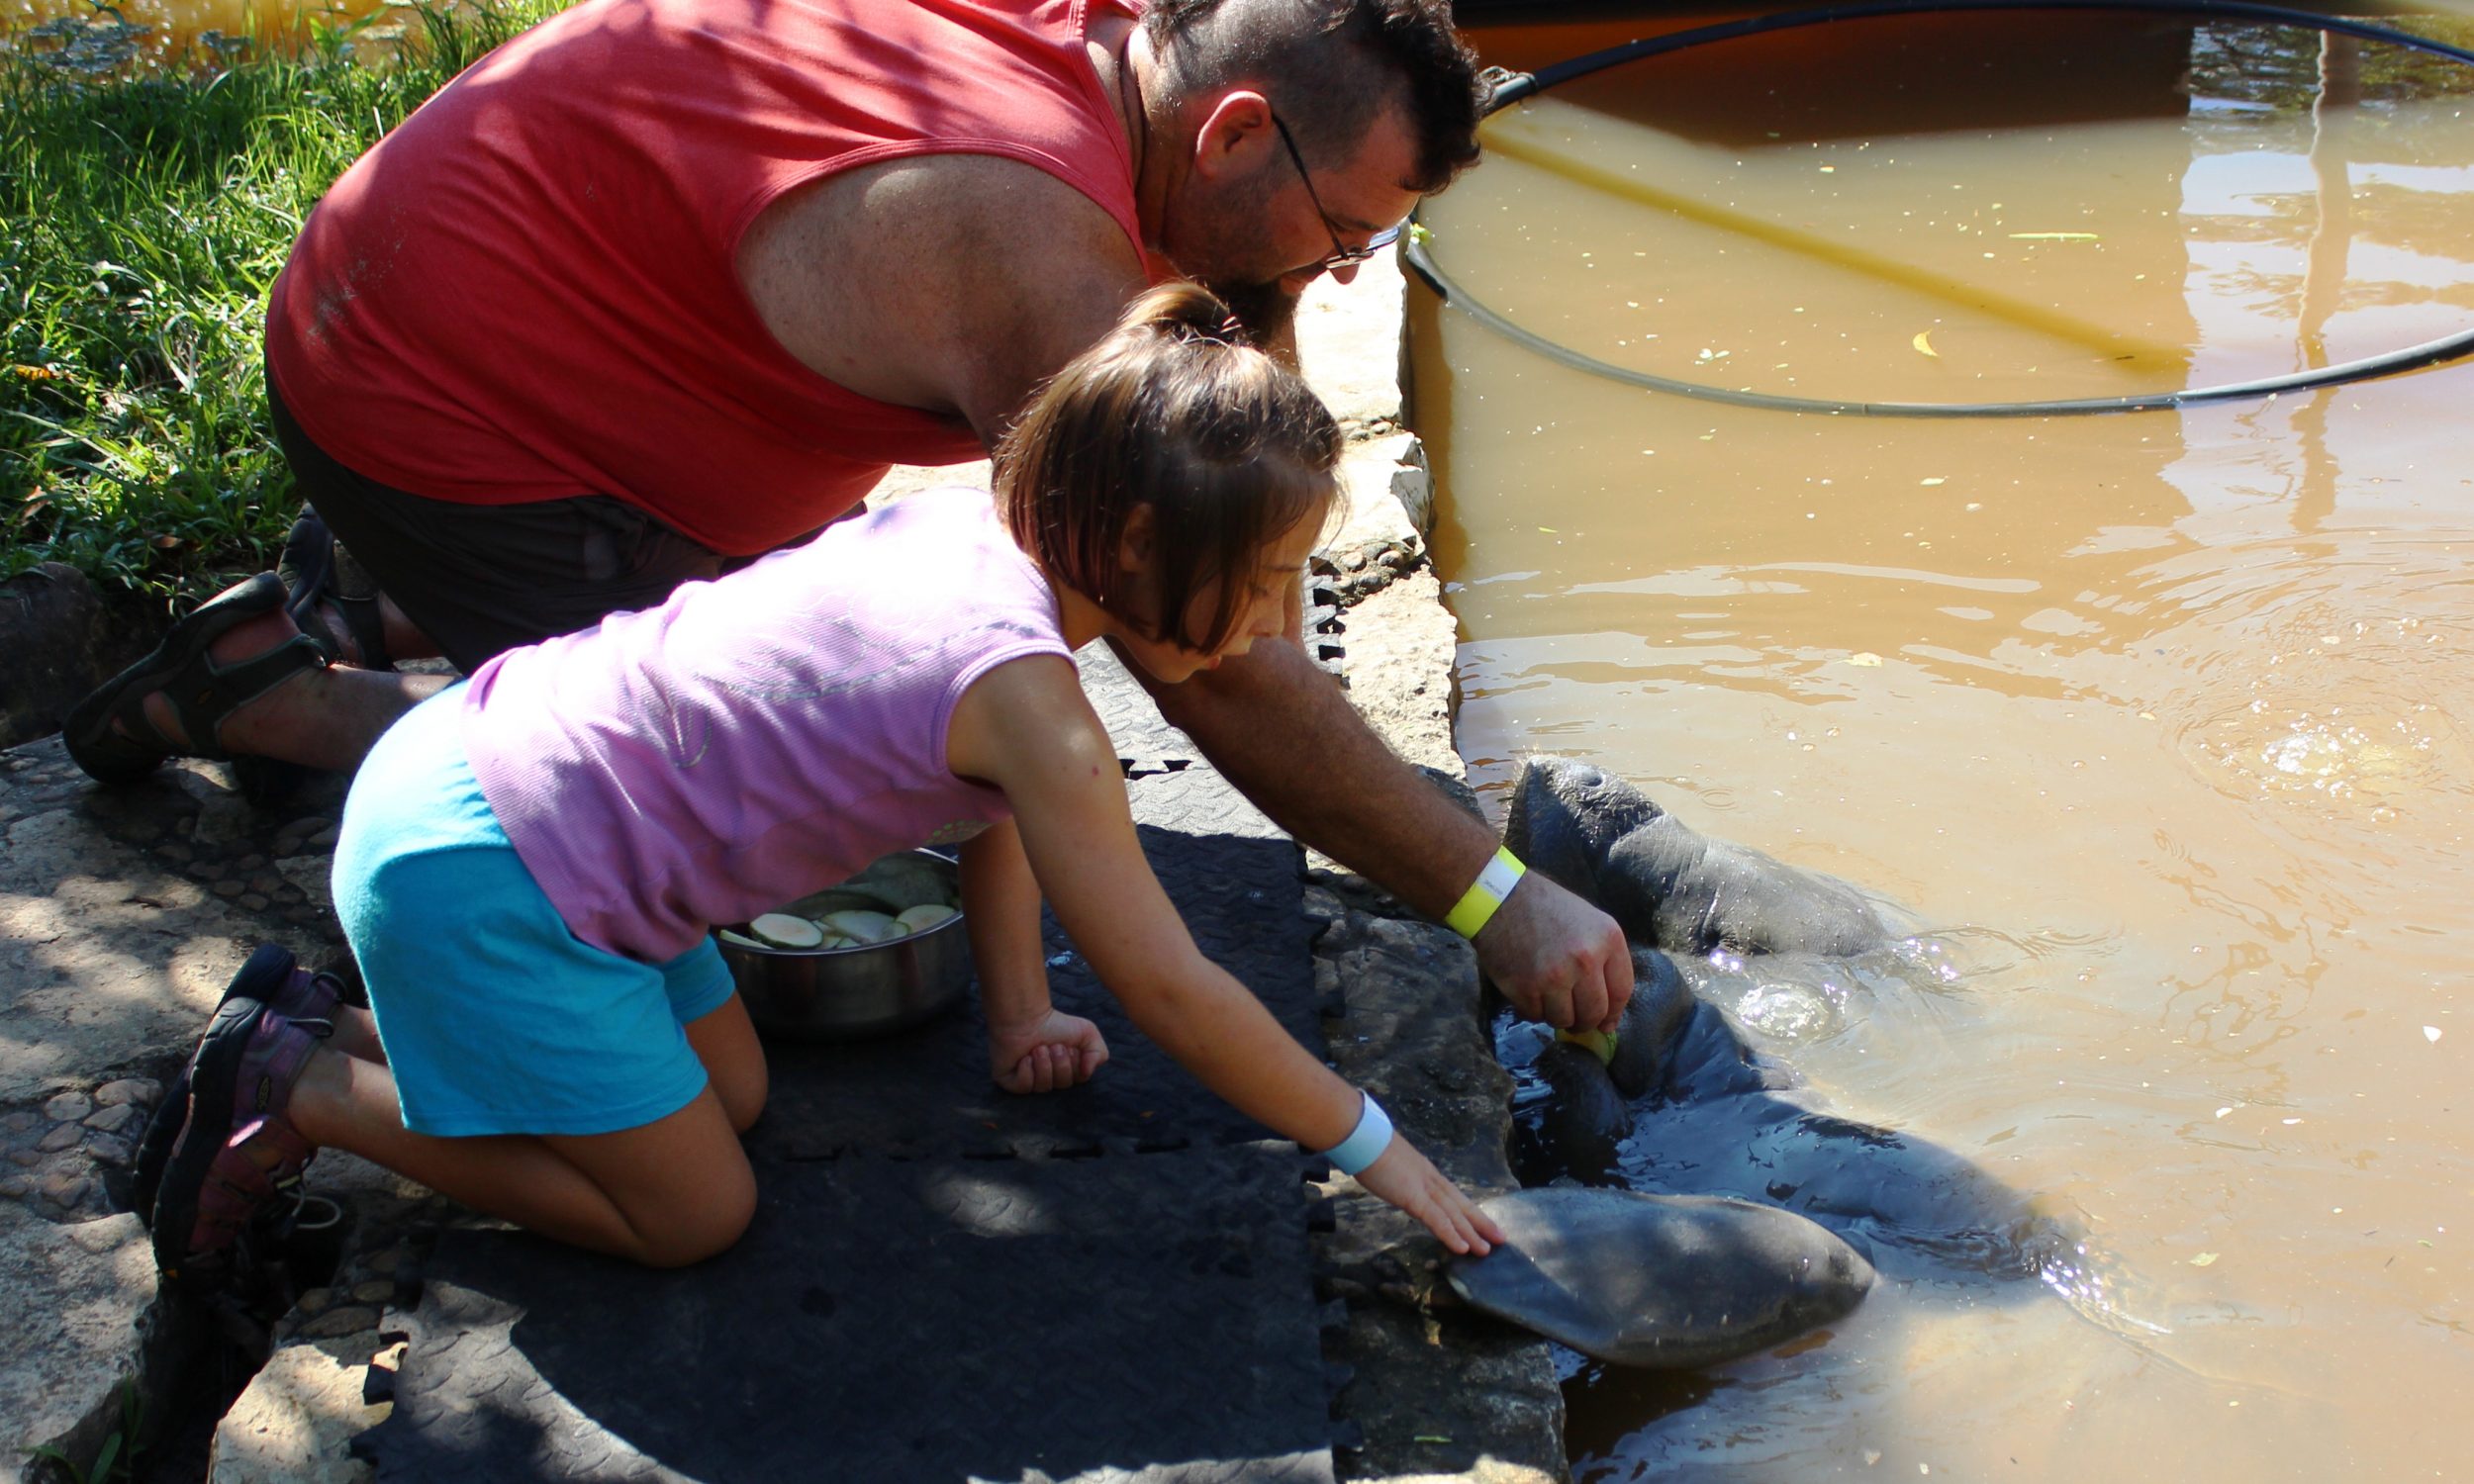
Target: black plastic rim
{"x": 1513, "y": 87}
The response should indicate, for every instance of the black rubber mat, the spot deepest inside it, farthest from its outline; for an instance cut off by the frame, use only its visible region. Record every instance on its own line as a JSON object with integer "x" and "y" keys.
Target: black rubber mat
{"x": 1128, "y": 1317}
{"x": 943, "y": 1282}
{"x": 1145, "y": 742}
{"x": 928, "y": 1093}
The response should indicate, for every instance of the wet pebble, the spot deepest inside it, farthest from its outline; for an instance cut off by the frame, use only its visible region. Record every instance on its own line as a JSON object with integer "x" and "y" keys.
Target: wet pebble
{"x": 66, "y": 1187}
{"x": 337, "y": 1322}
{"x": 175, "y": 852}
{"x": 374, "y": 1291}
{"x": 66, "y": 1135}
{"x": 69, "y": 1107}
{"x": 265, "y": 885}
{"x": 323, "y": 840}
{"x": 109, "y": 1148}
{"x": 26, "y": 1157}
{"x": 142, "y": 1091}
{"x": 22, "y": 1121}
{"x": 248, "y": 862}
{"x": 251, "y": 901}
{"x": 230, "y": 888}
{"x": 112, "y": 1119}
{"x": 315, "y": 1301}
{"x": 17, "y": 1187}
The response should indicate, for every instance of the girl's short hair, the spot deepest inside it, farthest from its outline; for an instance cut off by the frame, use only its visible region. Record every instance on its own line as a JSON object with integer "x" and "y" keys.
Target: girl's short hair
{"x": 1175, "y": 410}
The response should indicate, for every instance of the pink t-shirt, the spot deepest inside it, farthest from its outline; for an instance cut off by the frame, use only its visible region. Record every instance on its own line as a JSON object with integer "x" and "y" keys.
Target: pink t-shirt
{"x": 760, "y": 736}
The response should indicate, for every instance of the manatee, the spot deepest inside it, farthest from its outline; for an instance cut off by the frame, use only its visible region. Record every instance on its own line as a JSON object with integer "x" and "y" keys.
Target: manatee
{"x": 1666, "y": 1281}
{"x": 1670, "y": 887}
{"x": 1705, "y": 1114}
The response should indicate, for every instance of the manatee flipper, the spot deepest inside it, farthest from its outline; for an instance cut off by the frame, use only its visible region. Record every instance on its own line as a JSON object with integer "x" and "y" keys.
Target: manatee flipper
{"x": 1667, "y": 1282}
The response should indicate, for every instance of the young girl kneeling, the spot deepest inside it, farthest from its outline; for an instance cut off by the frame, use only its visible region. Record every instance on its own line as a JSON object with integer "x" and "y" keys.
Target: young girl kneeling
{"x": 530, "y": 863}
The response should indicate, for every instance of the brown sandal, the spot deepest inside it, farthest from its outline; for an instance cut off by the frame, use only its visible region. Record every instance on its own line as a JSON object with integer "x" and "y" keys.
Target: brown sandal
{"x": 203, "y": 693}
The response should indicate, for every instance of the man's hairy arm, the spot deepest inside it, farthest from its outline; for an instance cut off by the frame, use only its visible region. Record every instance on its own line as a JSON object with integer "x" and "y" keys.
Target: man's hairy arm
{"x": 1287, "y": 737}
{"x": 954, "y": 283}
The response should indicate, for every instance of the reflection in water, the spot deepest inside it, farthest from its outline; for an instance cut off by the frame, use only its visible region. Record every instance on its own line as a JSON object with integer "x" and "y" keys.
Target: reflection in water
{"x": 196, "y": 32}
{"x": 2157, "y": 719}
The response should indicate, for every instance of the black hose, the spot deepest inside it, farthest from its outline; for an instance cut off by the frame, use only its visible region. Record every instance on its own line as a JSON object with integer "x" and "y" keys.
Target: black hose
{"x": 1512, "y": 87}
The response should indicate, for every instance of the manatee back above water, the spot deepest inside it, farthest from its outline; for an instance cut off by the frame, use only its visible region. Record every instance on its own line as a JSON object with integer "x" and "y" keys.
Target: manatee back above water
{"x": 1597, "y": 835}
{"x": 1666, "y": 1281}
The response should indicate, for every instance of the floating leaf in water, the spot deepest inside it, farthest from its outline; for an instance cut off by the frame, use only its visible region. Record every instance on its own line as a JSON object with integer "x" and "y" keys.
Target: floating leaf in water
{"x": 2430, "y": 1033}
{"x": 1550, "y": 530}
{"x": 1924, "y": 345}
{"x": 1865, "y": 659}
{"x": 2204, "y": 1259}
{"x": 1935, "y": 480}
{"x": 2053, "y": 236}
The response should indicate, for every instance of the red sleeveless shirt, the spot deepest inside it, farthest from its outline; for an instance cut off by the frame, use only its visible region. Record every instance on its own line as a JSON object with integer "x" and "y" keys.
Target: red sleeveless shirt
{"x": 527, "y": 292}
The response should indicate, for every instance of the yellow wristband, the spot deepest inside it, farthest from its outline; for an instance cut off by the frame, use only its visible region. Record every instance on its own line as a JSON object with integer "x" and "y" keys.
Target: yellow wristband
{"x": 1476, "y": 905}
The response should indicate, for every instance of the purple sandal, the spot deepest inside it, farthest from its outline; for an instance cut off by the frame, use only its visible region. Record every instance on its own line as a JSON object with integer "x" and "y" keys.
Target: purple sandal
{"x": 238, "y": 1152}
{"x": 272, "y": 976}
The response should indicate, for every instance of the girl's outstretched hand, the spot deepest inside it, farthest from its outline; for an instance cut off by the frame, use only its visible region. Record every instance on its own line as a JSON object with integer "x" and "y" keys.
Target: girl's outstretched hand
{"x": 1044, "y": 1054}
{"x": 1409, "y": 1181}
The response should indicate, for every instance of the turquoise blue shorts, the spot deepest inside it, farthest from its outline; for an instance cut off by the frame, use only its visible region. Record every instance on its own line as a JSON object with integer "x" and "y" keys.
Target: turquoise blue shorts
{"x": 495, "y": 1017}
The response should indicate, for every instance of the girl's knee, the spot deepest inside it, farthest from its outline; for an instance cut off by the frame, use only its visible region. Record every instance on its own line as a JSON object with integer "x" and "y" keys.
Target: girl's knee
{"x": 703, "y": 1228}
{"x": 743, "y": 1092}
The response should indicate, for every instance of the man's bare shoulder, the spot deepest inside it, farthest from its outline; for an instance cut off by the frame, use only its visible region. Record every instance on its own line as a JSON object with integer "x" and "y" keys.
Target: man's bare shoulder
{"x": 951, "y": 282}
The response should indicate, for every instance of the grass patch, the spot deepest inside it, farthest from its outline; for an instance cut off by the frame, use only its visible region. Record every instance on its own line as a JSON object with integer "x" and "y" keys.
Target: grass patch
{"x": 143, "y": 218}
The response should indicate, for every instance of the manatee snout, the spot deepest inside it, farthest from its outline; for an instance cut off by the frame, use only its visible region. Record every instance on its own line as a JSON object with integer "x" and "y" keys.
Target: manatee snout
{"x": 1666, "y": 1281}
{"x": 1598, "y": 836}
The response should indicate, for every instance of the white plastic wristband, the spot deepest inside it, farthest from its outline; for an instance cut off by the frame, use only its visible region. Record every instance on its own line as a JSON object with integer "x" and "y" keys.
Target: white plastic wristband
{"x": 1366, "y": 1143}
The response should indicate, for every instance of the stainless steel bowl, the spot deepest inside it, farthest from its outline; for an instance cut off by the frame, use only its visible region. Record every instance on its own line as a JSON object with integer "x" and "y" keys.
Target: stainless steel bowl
{"x": 849, "y": 993}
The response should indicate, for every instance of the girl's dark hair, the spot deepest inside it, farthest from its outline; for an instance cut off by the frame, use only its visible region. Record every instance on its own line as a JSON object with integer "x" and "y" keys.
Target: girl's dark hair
{"x": 1175, "y": 410}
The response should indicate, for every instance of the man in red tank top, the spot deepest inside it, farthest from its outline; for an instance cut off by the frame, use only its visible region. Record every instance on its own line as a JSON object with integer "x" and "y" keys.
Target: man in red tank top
{"x": 663, "y": 283}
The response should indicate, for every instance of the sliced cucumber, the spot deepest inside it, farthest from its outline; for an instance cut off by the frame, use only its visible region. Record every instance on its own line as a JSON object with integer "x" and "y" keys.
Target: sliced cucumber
{"x": 867, "y": 927}
{"x": 739, "y": 940}
{"x": 925, "y": 916}
{"x": 782, "y": 930}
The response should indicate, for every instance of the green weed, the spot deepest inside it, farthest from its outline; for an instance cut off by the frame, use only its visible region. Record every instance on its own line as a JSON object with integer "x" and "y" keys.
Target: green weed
{"x": 144, "y": 215}
{"x": 115, "y": 1463}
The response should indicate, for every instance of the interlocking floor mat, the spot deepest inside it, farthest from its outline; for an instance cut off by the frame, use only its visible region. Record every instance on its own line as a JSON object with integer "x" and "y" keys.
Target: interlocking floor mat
{"x": 1129, "y": 1317}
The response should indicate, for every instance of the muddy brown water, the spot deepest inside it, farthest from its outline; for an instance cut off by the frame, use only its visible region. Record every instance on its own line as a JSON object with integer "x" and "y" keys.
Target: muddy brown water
{"x": 186, "y": 28}
{"x": 2155, "y": 724}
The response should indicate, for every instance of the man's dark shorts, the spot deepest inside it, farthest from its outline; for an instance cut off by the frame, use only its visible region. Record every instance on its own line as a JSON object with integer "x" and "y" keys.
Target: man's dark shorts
{"x": 479, "y": 579}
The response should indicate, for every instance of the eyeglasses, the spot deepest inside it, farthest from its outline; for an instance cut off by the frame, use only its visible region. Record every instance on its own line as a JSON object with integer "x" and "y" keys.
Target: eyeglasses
{"x": 1341, "y": 256}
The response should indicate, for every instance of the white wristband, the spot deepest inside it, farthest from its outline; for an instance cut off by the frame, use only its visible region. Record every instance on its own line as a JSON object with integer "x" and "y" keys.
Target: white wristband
{"x": 1366, "y": 1143}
